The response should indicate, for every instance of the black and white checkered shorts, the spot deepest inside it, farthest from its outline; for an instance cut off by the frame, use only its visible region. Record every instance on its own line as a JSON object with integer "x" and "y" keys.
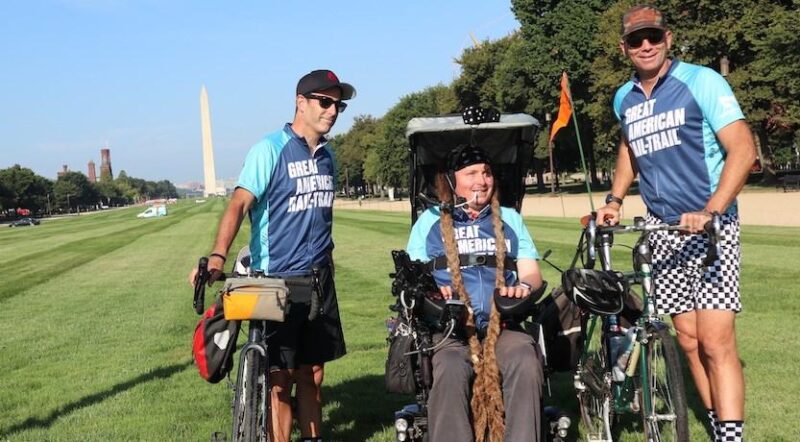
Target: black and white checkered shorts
{"x": 682, "y": 283}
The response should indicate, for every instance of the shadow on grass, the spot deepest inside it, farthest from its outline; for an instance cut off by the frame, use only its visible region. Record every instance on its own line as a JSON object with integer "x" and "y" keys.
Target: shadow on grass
{"x": 33, "y": 423}
{"x": 364, "y": 410}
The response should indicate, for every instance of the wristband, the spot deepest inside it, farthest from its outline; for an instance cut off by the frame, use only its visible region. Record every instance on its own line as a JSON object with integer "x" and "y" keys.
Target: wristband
{"x": 218, "y": 255}
{"x": 610, "y": 198}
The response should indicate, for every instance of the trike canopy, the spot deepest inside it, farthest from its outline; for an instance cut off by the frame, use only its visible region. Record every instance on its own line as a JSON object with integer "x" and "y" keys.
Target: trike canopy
{"x": 509, "y": 143}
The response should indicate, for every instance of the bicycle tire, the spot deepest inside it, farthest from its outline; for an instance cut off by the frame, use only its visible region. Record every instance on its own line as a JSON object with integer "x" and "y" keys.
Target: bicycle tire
{"x": 250, "y": 413}
{"x": 595, "y": 399}
{"x": 666, "y": 418}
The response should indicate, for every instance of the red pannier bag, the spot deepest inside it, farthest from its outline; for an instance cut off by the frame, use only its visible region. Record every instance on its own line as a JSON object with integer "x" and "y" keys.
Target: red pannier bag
{"x": 215, "y": 344}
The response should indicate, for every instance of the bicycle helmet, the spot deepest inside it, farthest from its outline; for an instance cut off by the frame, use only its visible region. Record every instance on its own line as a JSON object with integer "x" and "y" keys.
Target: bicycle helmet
{"x": 598, "y": 291}
{"x": 242, "y": 264}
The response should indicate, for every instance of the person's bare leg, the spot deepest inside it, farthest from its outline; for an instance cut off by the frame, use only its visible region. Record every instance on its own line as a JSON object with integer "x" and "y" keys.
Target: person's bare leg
{"x": 716, "y": 333}
{"x": 281, "y": 402}
{"x": 309, "y": 399}
{"x": 686, "y": 328}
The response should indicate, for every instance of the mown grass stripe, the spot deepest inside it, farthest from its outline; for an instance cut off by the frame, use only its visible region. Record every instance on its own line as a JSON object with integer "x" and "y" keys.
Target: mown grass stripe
{"x": 52, "y": 262}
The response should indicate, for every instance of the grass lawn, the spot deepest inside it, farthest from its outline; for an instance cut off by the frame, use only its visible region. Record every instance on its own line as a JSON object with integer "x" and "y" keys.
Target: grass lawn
{"x": 96, "y": 325}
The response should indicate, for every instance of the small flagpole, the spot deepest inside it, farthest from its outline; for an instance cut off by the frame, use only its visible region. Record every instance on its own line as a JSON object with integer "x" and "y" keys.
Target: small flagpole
{"x": 580, "y": 146}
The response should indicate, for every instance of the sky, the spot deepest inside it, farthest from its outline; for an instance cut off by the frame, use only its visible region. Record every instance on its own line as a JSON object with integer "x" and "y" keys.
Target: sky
{"x": 79, "y": 75}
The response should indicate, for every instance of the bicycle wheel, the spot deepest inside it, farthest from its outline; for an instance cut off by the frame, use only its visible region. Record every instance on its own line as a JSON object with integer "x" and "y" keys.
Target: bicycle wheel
{"x": 250, "y": 413}
{"x": 663, "y": 398}
{"x": 594, "y": 396}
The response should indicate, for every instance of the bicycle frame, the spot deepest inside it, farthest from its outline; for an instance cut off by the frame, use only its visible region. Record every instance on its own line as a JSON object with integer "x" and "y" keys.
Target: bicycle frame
{"x": 256, "y": 342}
{"x": 625, "y": 394}
{"x": 622, "y": 394}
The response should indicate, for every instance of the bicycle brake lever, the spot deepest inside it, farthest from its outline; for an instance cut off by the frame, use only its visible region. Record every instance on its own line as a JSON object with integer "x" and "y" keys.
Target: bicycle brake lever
{"x": 591, "y": 240}
{"x": 714, "y": 230}
{"x": 200, "y": 280}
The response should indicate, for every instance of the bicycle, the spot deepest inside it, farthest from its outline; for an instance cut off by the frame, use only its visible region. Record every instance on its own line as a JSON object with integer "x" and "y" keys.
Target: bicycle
{"x": 251, "y": 418}
{"x": 638, "y": 370}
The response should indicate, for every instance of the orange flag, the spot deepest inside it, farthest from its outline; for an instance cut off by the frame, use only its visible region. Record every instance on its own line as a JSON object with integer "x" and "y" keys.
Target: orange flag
{"x": 564, "y": 109}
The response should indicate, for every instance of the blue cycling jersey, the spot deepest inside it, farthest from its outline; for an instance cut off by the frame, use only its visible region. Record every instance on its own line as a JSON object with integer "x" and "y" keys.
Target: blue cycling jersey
{"x": 473, "y": 237}
{"x": 672, "y": 135}
{"x": 293, "y": 213}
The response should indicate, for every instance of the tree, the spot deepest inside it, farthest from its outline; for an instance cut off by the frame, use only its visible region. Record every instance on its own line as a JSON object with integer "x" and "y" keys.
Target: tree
{"x": 23, "y": 189}
{"x": 73, "y": 190}
{"x": 392, "y": 147}
{"x": 6, "y": 197}
{"x": 108, "y": 191}
{"x": 479, "y": 83}
{"x": 352, "y": 150}
{"x": 765, "y": 74}
{"x": 522, "y": 72}
{"x": 165, "y": 189}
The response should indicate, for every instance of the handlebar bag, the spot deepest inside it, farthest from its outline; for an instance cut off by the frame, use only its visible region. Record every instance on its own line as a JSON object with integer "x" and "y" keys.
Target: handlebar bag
{"x": 255, "y": 298}
{"x": 214, "y": 344}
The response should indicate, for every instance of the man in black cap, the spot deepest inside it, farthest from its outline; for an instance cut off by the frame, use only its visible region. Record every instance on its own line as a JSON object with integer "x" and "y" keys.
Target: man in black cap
{"x": 286, "y": 188}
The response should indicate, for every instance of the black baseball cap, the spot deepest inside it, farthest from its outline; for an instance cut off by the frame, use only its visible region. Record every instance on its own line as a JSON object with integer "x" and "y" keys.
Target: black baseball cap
{"x": 322, "y": 79}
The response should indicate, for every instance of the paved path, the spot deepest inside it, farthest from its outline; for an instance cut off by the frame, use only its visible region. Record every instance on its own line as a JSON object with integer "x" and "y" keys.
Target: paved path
{"x": 755, "y": 208}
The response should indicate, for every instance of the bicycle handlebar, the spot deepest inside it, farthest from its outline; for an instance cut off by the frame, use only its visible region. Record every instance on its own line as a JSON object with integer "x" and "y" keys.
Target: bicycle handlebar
{"x": 201, "y": 281}
{"x": 203, "y": 275}
{"x": 713, "y": 228}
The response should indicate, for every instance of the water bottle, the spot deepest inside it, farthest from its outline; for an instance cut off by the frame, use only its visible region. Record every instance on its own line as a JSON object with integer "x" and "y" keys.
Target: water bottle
{"x": 618, "y": 372}
{"x": 616, "y": 340}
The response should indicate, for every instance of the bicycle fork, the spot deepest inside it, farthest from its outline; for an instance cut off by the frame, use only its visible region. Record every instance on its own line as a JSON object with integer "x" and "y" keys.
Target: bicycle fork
{"x": 255, "y": 343}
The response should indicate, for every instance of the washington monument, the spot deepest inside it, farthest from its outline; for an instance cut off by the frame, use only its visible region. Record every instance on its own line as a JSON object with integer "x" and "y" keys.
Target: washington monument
{"x": 208, "y": 147}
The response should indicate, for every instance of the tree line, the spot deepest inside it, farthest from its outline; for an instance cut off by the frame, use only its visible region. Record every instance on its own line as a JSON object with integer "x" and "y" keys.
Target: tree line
{"x": 21, "y": 188}
{"x": 757, "y": 39}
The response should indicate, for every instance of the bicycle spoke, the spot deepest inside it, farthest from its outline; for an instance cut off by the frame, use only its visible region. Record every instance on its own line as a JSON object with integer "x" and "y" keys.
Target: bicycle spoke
{"x": 595, "y": 397}
{"x": 664, "y": 409}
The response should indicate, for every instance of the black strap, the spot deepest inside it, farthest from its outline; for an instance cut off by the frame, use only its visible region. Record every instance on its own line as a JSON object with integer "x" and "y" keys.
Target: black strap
{"x": 473, "y": 260}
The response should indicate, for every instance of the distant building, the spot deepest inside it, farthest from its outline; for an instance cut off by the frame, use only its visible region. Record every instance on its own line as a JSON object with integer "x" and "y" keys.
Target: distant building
{"x": 63, "y": 171}
{"x": 105, "y": 164}
{"x": 92, "y": 172}
{"x": 191, "y": 185}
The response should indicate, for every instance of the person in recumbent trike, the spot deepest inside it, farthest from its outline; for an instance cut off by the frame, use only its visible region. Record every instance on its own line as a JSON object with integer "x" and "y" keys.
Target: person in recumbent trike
{"x": 487, "y": 372}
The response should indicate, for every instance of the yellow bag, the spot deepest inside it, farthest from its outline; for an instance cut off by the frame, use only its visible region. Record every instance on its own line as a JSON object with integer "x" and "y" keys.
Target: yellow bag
{"x": 254, "y": 298}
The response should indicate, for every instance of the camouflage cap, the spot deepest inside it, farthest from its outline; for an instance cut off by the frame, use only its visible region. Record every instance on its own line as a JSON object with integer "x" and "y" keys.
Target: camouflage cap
{"x": 642, "y": 17}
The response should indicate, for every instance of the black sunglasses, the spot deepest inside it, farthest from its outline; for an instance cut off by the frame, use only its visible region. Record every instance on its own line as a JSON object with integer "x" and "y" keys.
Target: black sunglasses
{"x": 326, "y": 102}
{"x": 636, "y": 39}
